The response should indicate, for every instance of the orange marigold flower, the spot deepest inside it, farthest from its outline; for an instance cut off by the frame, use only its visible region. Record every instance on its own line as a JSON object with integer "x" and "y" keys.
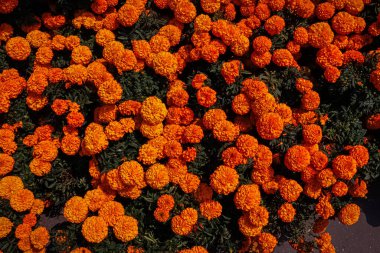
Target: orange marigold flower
{"x": 267, "y": 242}
{"x": 225, "y": 131}
{"x": 262, "y": 44}
{"x": 270, "y": 126}
{"x": 331, "y": 74}
{"x": 247, "y": 228}
{"x": 198, "y": 81}
{"x": 258, "y": 216}
{"x": 202, "y": 23}
{"x": 358, "y": 189}
{"x": 312, "y": 134}
{"x": 324, "y": 207}
{"x": 282, "y": 58}
{"x": 339, "y": 189}
{"x": 189, "y": 182}
{"x": 39, "y": 238}
{"x": 75, "y": 210}
{"x": 185, "y": 12}
{"x": 165, "y": 64}
{"x": 18, "y": 48}
{"x": 128, "y": 15}
{"x": 320, "y": 35}
{"x": 274, "y": 25}
{"x": 95, "y": 140}
{"x": 290, "y": 190}
{"x": 23, "y": 231}
{"x": 210, "y": 6}
{"x": 38, "y": 39}
{"x": 262, "y": 175}
{"x": 153, "y": 111}
{"x": 166, "y": 202}
{"x": 192, "y": 134}
{"x": 180, "y": 226}
{"x": 330, "y": 56}
{"x": 111, "y": 211}
{"x": 148, "y": 154}
{"x": 247, "y": 145}
{"x": 39, "y": 167}
{"x": 210, "y": 209}
{"x": 213, "y": 116}
{"x": 206, "y": 97}
{"x": 263, "y": 157}
{"x": 8, "y": 6}
{"x": 325, "y": 11}
{"x": 319, "y": 160}
{"x": 286, "y": 212}
{"x": 75, "y": 74}
{"x": 104, "y": 36}
{"x": 224, "y": 180}
{"x": 94, "y": 229}
{"x": 81, "y": 55}
{"x": 303, "y": 85}
{"x": 262, "y": 11}
{"x": 177, "y": 97}
{"x": 44, "y": 55}
{"x": 326, "y": 178}
{"x": 254, "y": 89}
{"x": 30, "y": 219}
{"x": 231, "y": 70}
{"x": 9, "y": 185}
{"x": 232, "y": 157}
{"x": 349, "y": 214}
{"x": 21, "y": 200}
{"x": 6, "y": 164}
{"x": 360, "y": 154}
{"x": 132, "y": 173}
{"x": 310, "y": 100}
{"x": 161, "y": 215}
{"x": 5, "y": 227}
{"x": 157, "y": 176}
{"x": 344, "y": 167}
{"x": 247, "y": 197}
{"x": 110, "y": 92}
{"x": 354, "y": 7}
{"x": 297, "y": 158}
{"x": 241, "y": 104}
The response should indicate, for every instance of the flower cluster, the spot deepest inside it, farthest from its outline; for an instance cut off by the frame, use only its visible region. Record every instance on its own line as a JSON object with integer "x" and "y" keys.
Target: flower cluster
{"x": 154, "y": 124}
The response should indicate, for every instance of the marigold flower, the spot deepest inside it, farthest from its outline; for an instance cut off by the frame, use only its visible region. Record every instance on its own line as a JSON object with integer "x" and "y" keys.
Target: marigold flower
{"x": 202, "y": 23}
{"x": 247, "y": 197}
{"x": 5, "y": 227}
{"x": 21, "y": 200}
{"x": 189, "y": 182}
{"x": 210, "y": 209}
{"x": 354, "y": 7}
{"x": 262, "y": 11}
{"x": 330, "y": 56}
{"x": 8, "y": 6}
{"x": 224, "y": 180}
{"x": 75, "y": 210}
{"x": 240, "y": 104}
{"x": 247, "y": 228}
{"x": 165, "y": 64}
{"x": 325, "y": 11}
{"x": 180, "y": 226}
{"x": 18, "y": 48}
{"x": 360, "y": 154}
{"x": 262, "y": 44}
{"x": 213, "y": 116}
{"x": 75, "y": 74}
{"x": 110, "y": 92}
{"x": 148, "y": 154}
{"x": 192, "y": 134}
{"x": 206, "y": 97}
{"x": 94, "y": 229}
{"x": 6, "y": 164}
{"x": 274, "y": 25}
{"x": 270, "y": 126}
{"x": 310, "y": 100}
{"x": 157, "y": 176}
{"x": 349, "y": 214}
{"x": 283, "y": 58}
{"x": 95, "y": 140}
{"x": 111, "y": 211}
{"x": 358, "y": 189}
{"x": 320, "y": 35}
{"x": 344, "y": 167}
{"x": 339, "y": 189}
{"x": 210, "y": 6}
{"x": 286, "y": 212}
{"x": 231, "y": 70}
{"x": 225, "y": 131}
{"x": 324, "y": 207}
{"x": 161, "y": 215}
{"x": 39, "y": 167}
{"x": 23, "y": 231}
{"x": 128, "y": 15}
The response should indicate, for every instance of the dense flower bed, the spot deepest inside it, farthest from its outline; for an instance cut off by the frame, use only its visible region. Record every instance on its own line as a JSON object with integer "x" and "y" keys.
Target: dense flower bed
{"x": 185, "y": 126}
